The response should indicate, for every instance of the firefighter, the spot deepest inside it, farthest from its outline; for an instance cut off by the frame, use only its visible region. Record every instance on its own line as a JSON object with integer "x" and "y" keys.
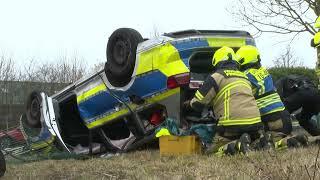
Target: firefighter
{"x": 317, "y": 23}
{"x": 300, "y": 92}
{"x": 229, "y": 93}
{"x": 275, "y": 117}
{"x": 315, "y": 42}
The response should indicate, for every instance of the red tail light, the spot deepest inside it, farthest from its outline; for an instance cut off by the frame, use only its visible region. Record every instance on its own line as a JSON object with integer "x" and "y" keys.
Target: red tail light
{"x": 178, "y": 80}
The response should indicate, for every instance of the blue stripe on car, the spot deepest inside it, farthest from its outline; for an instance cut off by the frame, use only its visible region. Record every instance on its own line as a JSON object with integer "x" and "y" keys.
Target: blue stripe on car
{"x": 186, "y": 47}
{"x": 143, "y": 86}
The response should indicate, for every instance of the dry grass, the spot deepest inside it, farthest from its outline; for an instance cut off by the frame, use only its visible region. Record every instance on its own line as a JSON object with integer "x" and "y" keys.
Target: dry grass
{"x": 292, "y": 164}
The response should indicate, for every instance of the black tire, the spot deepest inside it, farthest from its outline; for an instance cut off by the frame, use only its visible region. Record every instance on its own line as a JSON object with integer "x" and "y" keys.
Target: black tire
{"x": 121, "y": 56}
{"x": 33, "y": 111}
{"x": 2, "y": 164}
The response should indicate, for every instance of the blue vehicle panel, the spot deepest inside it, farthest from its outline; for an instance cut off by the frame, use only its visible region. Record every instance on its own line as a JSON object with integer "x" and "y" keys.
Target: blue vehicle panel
{"x": 103, "y": 103}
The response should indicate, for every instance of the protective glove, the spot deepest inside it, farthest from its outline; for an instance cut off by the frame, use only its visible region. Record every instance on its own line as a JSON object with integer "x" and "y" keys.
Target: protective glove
{"x": 186, "y": 106}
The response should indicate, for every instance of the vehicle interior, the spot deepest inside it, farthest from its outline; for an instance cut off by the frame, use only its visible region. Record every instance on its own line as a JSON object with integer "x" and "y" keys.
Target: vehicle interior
{"x": 72, "y": 128}
{"x": 74, "y": 131}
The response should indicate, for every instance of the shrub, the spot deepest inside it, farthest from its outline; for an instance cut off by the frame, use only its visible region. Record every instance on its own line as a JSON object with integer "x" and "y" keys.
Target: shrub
{"x": 278, "y": 72}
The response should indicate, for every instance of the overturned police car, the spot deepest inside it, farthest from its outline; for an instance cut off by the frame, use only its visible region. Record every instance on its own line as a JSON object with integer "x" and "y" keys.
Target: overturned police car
{"x": 143, "y": 82}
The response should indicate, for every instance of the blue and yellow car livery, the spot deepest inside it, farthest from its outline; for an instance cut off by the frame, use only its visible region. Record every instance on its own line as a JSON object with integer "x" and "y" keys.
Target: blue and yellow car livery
{"x": 155, "y": 63}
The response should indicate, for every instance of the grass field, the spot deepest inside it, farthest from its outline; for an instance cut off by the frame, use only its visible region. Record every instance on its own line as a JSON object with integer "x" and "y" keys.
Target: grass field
{"x": 291, "y": 164}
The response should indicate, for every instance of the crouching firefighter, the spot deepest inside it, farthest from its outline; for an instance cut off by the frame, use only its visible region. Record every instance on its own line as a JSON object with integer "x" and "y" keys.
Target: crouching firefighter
{"x": 276, "y": 119}
{"x": 300, "y": 92}
{"x": 229, "y": 93}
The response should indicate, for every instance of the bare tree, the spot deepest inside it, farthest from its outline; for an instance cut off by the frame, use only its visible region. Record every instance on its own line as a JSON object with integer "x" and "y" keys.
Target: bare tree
{"x": 7, "y": 68}
{"x": 17, "y": 83}
{"x": 28, "y": 73}
{"x": 69, "y": 70}
{"x": 285, "y": 17}
{"x": 64, "y": 70}
{"x": 278, "y": 16}
{"x": 52, "y": 76}
{"x": 97, "y": 67}
{"x": 7, "y": 75}
{"x": 287, "y": 59}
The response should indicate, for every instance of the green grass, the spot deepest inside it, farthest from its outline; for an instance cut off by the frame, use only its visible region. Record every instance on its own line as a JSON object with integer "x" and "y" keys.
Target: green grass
{"x": 291, "y": 164}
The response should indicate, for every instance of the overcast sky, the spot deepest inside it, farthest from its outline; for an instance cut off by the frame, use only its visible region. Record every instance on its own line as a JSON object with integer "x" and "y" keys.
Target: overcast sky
{"x": 45, "y": 30}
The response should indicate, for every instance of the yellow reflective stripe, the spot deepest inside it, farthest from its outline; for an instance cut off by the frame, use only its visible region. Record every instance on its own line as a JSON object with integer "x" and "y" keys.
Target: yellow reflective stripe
{"x": 268, "y": 97}
{"x": 266, "y": 104}
{"x": 42, "y": 144}
{"x": 234, "y": 122}
{"x": 114, "y": 115}
{"x": 281, "y": 145}
{"x": 227, "y": 105}
{"x": 222, "y": 41}
{"x": 230, "y": 86}
{"x": 199, "y": 96}
{"x": 235, "y": 73}
{"x": 262, "y": 105}
{"x": 254, "y": 90}
{"x": 268, "y": 100}
{"x": 259, "y": 74}
{"x": 91, "y": 92}
{"x": 262, "y": 88}
{"x": 220, "y": 152}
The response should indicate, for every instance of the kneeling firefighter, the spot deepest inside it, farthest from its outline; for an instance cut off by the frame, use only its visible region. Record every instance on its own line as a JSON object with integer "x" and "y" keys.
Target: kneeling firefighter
{"x": 229, "y": 93}
{"x": 276, "y": 118}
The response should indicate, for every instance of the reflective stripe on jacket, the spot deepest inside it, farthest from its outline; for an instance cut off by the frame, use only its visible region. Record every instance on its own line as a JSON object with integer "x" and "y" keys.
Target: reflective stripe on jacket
{"x": 230, "y": 94}
{"x": 268, "y": 99}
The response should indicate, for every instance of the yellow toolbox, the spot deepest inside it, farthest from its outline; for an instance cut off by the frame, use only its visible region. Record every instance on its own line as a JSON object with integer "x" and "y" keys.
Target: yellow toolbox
{"x": 179, "y": 145}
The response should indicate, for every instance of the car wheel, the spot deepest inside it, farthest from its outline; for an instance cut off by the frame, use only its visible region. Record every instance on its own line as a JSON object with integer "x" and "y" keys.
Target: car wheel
{"x": 5, "y": 143}
{"x": 121, "y": 56}
{"x": 33, "y": 110}
{"x": 2, "y": 164}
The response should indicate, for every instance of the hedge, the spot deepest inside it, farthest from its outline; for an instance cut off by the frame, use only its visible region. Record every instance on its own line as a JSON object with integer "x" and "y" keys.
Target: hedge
{"x": 277, "y": 73}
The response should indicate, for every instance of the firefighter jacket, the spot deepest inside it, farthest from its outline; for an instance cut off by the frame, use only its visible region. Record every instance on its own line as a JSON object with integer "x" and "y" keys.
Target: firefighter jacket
{"x": 268, "y": 100}
{"x": 230, "y": 94}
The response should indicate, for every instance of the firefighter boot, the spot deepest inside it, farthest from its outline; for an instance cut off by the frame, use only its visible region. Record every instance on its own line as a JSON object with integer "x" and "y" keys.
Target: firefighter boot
{"x": 243, "y": 144}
